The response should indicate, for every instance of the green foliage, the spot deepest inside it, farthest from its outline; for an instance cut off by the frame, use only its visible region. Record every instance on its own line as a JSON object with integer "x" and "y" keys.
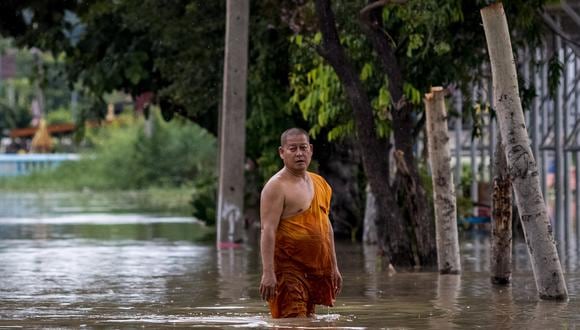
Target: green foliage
{"x": 317, "y": 92}
{"x": 59, "y": 116}
{"x": 174, "y": 154}
{"x": 464, "y": 206}
{"x": 435, "y": 43}
{"x": 177, "y": 155}
{"x": 13, "y": 117}
{"x": 121, "y": 156}
{"x": 128, "y": 45}
{"x": 463, "y": 193}
{"x": 315, "y": 95}
{"x": 204, "y": 200}
{"x": 441, "y": 43}
{"x": 36, "y": 72}
{"x": 269, "y": 113}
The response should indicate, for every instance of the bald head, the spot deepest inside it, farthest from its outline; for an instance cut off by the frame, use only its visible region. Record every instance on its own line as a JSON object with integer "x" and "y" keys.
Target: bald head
{"x": 292, "y": 132}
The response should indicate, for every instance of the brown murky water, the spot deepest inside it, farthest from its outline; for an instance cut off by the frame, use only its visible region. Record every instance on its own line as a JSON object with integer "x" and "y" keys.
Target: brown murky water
{"x": 61, "y": 267}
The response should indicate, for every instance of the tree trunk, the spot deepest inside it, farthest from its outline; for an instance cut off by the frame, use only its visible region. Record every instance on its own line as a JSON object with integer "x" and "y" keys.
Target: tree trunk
{"x": 448, "y": 259}
{"x": 369, "y": 225}
{"x": 393, "y": 237}
{"x": 230, "y": 208}
{"x": 340, "y": 166}
{"x": 403, "y": 125}
{"x": 522, "y": 166}
{"x": 501, "y": 222}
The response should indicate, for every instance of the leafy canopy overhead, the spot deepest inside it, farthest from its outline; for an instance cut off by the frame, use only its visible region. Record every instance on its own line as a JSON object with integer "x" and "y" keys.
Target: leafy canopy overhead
{"x": 435, "y": 43}
{"x": 172, "y": 48}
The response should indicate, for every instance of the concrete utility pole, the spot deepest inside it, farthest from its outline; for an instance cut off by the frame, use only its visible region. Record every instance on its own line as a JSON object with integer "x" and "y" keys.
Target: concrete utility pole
{"x": 232, "y": 127}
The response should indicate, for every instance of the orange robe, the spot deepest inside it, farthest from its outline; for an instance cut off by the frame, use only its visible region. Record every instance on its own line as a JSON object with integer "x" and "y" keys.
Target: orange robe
{"x": 303, "y": 258}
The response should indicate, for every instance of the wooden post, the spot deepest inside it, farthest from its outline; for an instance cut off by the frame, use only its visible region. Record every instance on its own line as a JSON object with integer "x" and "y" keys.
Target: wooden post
{"x": 232, "y": 134}
{"x": 522, "y": 166}
{"x": 501, "y": 222}
{"x": 448, "y": 259}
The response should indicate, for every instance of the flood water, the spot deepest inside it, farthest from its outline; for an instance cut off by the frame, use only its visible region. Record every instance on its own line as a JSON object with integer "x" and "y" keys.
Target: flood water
{"x": 65, "y": 264}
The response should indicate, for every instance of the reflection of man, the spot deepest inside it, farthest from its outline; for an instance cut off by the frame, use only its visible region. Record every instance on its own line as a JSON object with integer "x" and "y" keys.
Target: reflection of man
{"x": 297, "y": 244}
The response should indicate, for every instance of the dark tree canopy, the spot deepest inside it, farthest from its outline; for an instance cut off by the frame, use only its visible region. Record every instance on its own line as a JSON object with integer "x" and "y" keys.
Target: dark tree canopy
{"x": 171, "y": 48}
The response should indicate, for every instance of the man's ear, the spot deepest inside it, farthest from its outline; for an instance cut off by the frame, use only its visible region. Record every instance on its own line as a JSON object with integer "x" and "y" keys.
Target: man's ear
{"x": 311, "y": 147}
{"x": 280, "y": 151}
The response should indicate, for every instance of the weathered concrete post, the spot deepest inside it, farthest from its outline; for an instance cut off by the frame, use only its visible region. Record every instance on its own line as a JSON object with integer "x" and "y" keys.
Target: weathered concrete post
{"x": 522, "y": 167}
{"x": 232, "y": 134}
{"x": 448, "y": 259}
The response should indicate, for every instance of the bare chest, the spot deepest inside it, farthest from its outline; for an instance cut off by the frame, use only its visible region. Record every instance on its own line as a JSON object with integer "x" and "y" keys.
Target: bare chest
{"x": 298, "y": 197}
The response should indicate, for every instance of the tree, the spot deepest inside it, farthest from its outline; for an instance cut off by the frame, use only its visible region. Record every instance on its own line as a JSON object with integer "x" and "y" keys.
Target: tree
{"x": 448, "y": 259}
{"x": 128, "y": 46}
{"x": 404, "y": 47}
{"x": 522, "y": 166}
{"x": 500, "y": 264}
{"x": 175, "y": 49}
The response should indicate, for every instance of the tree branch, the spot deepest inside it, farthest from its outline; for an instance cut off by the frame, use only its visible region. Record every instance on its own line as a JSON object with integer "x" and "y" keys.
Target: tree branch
{"x": 365, "y": 13}
{"x": 371, "y": 20}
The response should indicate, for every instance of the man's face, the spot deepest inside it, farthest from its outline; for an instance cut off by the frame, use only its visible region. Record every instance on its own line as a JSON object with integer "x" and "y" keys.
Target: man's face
{"x": 296, "y": 152}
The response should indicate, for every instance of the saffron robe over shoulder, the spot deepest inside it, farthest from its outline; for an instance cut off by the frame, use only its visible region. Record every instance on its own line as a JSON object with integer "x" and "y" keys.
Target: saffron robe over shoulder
{"x": 303, "y": 245}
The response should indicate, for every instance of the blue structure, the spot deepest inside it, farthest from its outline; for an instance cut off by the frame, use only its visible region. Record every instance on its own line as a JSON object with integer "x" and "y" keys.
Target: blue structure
{"x": 23, "y": 164}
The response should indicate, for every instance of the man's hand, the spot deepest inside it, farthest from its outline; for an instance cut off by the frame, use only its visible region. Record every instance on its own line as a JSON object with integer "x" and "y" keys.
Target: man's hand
{"x": 336, "y": 281}
{"x": 268, "y": 286}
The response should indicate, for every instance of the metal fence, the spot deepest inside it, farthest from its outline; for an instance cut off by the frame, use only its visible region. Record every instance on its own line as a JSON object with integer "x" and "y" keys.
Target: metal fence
{"x": 22, "y": 164}
{"x": 552, "y": 119}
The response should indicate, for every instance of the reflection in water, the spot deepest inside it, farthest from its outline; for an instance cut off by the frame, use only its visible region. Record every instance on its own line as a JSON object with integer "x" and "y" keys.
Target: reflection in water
{"x": 58, "y": 203}
{"x": 476, "y": 250}
{"x": 448, "y": 289}
{"x": 502, "y": 302}
{"x": 550, "y": 314}
{"x": 143, "y": 271}
{"x": 233, "y": 282}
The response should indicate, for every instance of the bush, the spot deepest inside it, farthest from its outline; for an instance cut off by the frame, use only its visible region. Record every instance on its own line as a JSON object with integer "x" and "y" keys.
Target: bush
{"x": 174, "y": 154}
{"x": 121, "y": 156}
{"x": 59, "y": 116}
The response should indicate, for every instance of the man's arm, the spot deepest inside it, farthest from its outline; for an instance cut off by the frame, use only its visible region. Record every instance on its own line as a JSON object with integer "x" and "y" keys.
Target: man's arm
{"x": 271, "y": 207}
{"x": 336, "y": 276}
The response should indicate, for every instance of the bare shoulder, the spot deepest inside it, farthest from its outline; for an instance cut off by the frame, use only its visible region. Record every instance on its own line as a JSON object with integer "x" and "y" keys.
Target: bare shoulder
{"x": 274, "y": 187}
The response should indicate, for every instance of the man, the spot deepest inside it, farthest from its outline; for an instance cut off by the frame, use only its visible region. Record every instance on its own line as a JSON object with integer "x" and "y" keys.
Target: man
{"x": 297, "y": 243}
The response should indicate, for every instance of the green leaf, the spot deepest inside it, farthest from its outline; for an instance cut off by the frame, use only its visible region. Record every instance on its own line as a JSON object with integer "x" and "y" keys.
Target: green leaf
{"x": 134, "y": 73}
{"x": 317, "y": 38}
{"x": 442, "y": 48}
{"x": 412, "y": 94}
{"x": 366, "y": 72}
{"x": 384, "y": 98}
{"x": 298, "y": 40}
{"x": 415, "y": 42}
